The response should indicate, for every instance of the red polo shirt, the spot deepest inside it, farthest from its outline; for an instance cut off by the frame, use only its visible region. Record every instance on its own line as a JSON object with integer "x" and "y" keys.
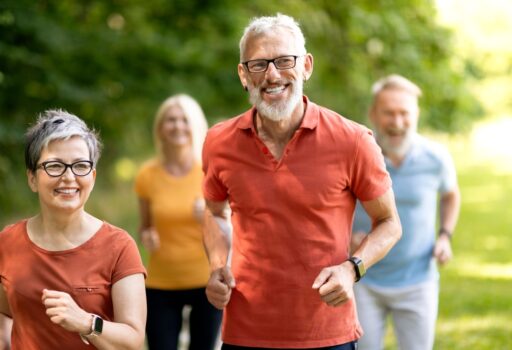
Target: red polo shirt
{"x": 291, "y": 218}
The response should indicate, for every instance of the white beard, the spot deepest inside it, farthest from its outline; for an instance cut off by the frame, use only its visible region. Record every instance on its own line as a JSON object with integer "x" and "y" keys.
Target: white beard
{"x": 281, "y": 110}
{"x": 399, "y": 150}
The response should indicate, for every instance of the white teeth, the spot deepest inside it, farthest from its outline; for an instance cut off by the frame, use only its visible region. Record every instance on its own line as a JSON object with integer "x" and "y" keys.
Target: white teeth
{"x": 274, "y": 90}
{"x": 66, "y": 190}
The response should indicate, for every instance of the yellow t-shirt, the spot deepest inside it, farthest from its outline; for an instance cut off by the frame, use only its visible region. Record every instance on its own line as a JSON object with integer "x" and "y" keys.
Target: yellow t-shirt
{"x": 180, "y": 262}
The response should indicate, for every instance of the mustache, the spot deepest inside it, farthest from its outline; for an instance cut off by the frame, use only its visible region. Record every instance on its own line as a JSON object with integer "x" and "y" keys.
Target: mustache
{"x": 396, "y": 131}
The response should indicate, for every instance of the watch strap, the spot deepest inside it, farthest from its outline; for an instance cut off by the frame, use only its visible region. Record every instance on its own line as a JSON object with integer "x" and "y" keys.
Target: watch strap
{"x": 445, "y": 232}
{"x": 358, "y": 267}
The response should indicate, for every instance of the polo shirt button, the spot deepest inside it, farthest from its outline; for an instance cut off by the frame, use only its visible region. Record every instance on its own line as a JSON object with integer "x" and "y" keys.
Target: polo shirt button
{"x": 265, "y": 150}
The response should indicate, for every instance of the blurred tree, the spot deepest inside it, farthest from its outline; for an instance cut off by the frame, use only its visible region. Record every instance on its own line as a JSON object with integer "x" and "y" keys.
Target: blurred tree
{"x": 113, "y": 62}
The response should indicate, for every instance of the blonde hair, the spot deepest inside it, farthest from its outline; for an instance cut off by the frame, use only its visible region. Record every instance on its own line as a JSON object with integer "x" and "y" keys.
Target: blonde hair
{"x": 395, "y": 81}
{"x": 195, "y": 118}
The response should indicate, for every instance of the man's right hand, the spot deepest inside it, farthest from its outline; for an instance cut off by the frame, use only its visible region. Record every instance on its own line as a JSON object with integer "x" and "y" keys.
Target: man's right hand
{"x": 220, "y": 284}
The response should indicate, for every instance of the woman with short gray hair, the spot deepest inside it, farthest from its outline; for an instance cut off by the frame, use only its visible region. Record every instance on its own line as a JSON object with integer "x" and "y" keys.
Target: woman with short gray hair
{"x": 68, "y": 278}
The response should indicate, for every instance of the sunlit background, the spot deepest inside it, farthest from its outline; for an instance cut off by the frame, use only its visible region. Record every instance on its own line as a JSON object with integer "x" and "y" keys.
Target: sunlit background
{"x": 484, "y": 32}
{"x": 112, "y": 63}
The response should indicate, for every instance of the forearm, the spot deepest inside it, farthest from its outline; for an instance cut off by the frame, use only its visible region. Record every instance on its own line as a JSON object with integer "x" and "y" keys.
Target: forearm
{"x": 127, "y": 329}
{"x": 119, "y": 336}
{"x": 379, "y": 241}
{"x": 216, "y": 238}
{"x": 386, "y": 229}
{"x": 449, "y": 208}
{"x": 144, "y": 215}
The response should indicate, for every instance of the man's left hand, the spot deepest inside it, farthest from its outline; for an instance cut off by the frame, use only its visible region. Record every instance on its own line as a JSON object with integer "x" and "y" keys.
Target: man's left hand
{"x": 443, "y": 250}
{"x": 335, "y": 284}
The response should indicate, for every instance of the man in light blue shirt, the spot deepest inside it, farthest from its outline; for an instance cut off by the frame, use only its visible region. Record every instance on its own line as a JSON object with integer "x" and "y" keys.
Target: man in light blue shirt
{"x": 405, "y": 283}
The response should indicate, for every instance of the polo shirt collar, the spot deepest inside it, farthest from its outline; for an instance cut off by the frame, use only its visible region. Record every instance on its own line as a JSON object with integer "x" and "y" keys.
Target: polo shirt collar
{"x": 310, "y": 120}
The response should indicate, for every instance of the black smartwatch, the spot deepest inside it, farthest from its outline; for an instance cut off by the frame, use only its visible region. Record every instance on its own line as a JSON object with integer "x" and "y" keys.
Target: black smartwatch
{"x": 358, "y": 267}
{"x": 96, "y": 328}
{"x": 97, "y": 325}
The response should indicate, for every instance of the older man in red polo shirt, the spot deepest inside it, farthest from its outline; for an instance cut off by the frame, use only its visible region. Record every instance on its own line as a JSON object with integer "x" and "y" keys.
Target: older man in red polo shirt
{"x": 291, "y": 172}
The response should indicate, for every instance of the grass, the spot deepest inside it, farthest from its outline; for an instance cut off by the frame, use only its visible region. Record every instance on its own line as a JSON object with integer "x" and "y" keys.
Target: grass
{"x": 475, "y": 299}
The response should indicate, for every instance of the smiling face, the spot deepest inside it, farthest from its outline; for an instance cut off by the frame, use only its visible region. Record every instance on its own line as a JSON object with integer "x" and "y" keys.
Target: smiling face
{"x": 394, "y": 116}
{"x": 174, "y": 128}
{"x": 276, "y": 92}
{"x": 67, "y": 193}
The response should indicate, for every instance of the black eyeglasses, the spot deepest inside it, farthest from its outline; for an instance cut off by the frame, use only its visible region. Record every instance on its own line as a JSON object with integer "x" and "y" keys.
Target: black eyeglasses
{"x": 261, "y": 65}
{"x": 57, "y": 168}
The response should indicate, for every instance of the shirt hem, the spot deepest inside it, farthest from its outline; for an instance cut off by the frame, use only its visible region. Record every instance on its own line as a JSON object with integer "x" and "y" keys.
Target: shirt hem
{"x": 287, "y": 344}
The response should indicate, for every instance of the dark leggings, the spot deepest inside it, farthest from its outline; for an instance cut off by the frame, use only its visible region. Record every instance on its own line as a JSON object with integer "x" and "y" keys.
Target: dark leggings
{"x": 165, "y": 309}
{"x": 347, "y": 346}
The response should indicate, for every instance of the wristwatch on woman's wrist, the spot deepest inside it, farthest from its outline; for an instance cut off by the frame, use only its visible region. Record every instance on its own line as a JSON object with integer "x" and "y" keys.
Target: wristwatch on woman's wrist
{"x": 96, "y": 328}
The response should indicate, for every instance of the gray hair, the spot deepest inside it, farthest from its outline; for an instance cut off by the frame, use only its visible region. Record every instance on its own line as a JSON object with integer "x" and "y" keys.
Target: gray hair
{"x": 395, "y": 81}
{"x": 57, "y": 124}
{"x": 261, "y": 25}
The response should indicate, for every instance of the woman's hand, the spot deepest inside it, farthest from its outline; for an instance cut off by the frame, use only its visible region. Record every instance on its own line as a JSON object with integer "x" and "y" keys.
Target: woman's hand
{"x": 64, "y": 311}
{"x": 150, "y": 239}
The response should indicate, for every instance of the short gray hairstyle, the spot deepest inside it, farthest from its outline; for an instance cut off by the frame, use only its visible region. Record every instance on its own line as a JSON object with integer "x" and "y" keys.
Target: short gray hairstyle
{"x": 395, "y": 81}
{"x": 261, "y": 25}
{"x": 57, "y": 124}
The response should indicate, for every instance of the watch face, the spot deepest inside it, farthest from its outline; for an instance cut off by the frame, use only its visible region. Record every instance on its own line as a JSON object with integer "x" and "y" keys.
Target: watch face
{"x": 98, "y": 325}
{"x": 362, "y": 270}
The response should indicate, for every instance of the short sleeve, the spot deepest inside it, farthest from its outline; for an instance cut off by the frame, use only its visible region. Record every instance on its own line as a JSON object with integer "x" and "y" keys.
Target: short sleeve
{"x": 128, "y": 261}
{"x": 213, "y": 188}
{"x": 369, "y": 177}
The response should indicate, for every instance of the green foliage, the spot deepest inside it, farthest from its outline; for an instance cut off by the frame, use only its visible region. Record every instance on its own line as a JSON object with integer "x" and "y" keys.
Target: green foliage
{"x": 113, "y": 62}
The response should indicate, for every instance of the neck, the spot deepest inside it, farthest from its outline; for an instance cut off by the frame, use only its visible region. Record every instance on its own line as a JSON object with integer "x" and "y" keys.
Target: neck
{"x": 63, "y": 223}
{"x": 178, "y": 160}
{"x": 280, "y": 131}
{"x": 395, "y": 159}
{"x": 62, "y": 231}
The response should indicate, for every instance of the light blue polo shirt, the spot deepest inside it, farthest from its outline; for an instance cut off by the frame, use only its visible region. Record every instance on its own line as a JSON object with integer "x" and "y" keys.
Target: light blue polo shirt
{"x": 426, "y": 172}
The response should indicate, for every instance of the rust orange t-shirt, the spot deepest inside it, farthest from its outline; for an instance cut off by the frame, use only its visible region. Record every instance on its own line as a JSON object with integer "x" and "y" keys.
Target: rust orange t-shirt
{"x": 86, "y": 272}
{"x": 291, "y": 218}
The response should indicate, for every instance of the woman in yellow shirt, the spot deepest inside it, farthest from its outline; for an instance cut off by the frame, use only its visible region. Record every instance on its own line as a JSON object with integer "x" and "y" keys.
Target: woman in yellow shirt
{"x": 171, "y": 209}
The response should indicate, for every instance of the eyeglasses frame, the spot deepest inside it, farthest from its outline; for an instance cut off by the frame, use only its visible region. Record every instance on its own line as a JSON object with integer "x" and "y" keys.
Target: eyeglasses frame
{"x": 295, "y": 57}
{"x": 66, "y": 166}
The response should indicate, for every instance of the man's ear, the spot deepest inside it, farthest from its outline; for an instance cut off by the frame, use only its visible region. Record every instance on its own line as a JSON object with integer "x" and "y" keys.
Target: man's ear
{"x": 31, "y": 179}
{"x": 308, "y": 66}
{"x": 242, "y": 74}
